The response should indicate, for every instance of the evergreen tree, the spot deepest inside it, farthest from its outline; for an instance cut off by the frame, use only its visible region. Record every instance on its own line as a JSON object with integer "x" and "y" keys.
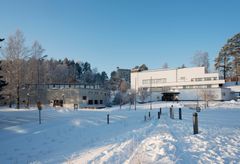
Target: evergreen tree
{"x": 1, "y": 41}
{"x": 228, "y": 58}
{"x": 143, "y": 67}
{"x": 2, "y": 83}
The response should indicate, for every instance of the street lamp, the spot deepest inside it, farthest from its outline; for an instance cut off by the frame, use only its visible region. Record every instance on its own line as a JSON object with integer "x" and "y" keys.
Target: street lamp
{"x": 130, "y": 99}
{"x": 18, "y": 97}
{"x": 41, "y": 58}
{"x": 151, "y": 93}
{"x": 135, "y": 95}
{"x": 28, "y": 100}
{"x": 62, "y": 99}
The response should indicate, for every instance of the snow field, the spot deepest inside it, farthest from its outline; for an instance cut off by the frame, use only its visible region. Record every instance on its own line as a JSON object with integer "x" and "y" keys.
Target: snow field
{"x": 84, "y": 137}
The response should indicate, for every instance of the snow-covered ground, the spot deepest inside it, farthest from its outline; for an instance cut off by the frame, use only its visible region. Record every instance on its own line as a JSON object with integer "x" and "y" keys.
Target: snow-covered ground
{"x": 83, "y": 136}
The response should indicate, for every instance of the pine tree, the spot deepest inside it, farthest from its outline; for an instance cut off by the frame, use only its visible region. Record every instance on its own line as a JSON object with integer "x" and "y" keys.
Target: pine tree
{"x": 2, "y": 82}
{"x": 228, "y": 58}
{"x": 1, "y": 40}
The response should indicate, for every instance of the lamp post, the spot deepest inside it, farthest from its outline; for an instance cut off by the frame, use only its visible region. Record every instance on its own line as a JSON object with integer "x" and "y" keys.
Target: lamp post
{"x": 28, "y": 100}
{"x": 18, "y": 97}
{"x": 130, "y": 99}
{"x": 62, "y": 99}
{"x": 41, "y": 58}
{"x": 135, "y": 96}
{"x": 151, "y": 93}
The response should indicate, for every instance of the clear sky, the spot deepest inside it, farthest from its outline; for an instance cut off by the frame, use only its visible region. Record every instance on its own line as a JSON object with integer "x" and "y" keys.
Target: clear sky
{"x": 124, "y": 33}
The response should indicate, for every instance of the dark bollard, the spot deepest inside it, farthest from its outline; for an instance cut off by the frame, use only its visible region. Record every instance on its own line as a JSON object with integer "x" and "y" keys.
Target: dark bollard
{"x": 158, "y": 115}
{"x": 160, "y": 111}
{"x": 107, "y": 118}
{"x": 39, "y": 105}
{"x": 145, "y": 118}
{"x": 171, "y": 113}
{"x": 149, "y": 114}
{"x": 180, "y": 114}
{"x": 195, "y": 123}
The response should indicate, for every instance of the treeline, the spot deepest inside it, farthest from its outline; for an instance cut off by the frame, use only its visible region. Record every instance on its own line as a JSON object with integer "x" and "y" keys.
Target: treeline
{"x": 22, "y": 65}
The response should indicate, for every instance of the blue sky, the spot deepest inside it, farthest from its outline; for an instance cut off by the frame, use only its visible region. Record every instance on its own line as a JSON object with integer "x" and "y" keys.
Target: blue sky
{"x": 124, "y": 33}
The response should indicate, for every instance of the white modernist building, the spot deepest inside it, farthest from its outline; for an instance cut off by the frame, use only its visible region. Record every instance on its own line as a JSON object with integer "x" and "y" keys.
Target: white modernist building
{"x": 180, "y": 84}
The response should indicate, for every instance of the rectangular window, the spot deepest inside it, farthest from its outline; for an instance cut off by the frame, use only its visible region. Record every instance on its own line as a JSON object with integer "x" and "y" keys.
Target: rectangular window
{"x": 207, "y": 79}
{"x": 101, "y": 101}
{"x": 84, "y": 97}
{"x": 90, "y": 102}
{"x": 182, "y": 78}
{"x": 95, "y": 101}
{"x": 199, "y": 79}
{"x": 145, "y": 81}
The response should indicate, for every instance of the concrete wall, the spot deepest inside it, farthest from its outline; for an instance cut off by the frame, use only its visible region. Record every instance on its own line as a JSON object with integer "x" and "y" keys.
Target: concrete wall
{"x": 174, "y": 78}
{"x": 197, "y": 94}
{"x": 69, "y": 96}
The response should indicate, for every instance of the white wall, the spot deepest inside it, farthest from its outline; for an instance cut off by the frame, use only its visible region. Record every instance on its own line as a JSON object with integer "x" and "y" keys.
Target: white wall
{"x": 173, "y": 78}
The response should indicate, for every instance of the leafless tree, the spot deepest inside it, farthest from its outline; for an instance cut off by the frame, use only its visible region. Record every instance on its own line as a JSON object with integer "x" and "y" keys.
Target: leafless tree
{"x": 207, "y": 95}
{"x": 200, "y": 59}
{"x": 165, "y": 66}
{"x": 143, "y": 94}
{"x": 14, "y": 55}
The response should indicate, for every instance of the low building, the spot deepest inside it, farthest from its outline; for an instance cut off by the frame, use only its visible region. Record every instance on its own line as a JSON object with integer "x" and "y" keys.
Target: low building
{"x": 180, "y": 84}
{"x": 85, "y": 96}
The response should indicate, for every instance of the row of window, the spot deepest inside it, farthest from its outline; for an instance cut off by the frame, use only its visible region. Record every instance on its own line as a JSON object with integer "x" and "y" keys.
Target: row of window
{"x": 165, "y": 89}
{"x": 74, "y": 86}
{"x": 97, "y": 93}
{"x": 154, "y": 81}
{"x": 196, "y": 86}
{"x": 204, "y": 79}
{"x": 91, "y": 102}
{"x": 84, "y": 98}
{"x": 164, "y": 80}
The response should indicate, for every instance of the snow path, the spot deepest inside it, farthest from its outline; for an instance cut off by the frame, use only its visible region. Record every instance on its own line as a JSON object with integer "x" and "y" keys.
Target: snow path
{"x": 152, "y": 144}
{"x": 163, "y": 146}
{"x": 168, "y": 141}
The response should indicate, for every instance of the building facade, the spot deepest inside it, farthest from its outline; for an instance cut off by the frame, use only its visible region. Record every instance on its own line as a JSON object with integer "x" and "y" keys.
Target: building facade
{"x": 92, "y": 96}
{"x": 124, "y": 74}
{"x": 180, "y": 84}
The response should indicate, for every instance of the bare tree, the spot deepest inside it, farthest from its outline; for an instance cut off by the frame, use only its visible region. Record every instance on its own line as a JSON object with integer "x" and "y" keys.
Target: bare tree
{"x": 200, "y": 59}
{"x": 122, "y": 89}
{"x": 165, "y": 66}
{"x": 14, "y": 55}
{"x": 60, "y": 74}
{"x": 207, "y": 95}
{"x": 143, "y": 94}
